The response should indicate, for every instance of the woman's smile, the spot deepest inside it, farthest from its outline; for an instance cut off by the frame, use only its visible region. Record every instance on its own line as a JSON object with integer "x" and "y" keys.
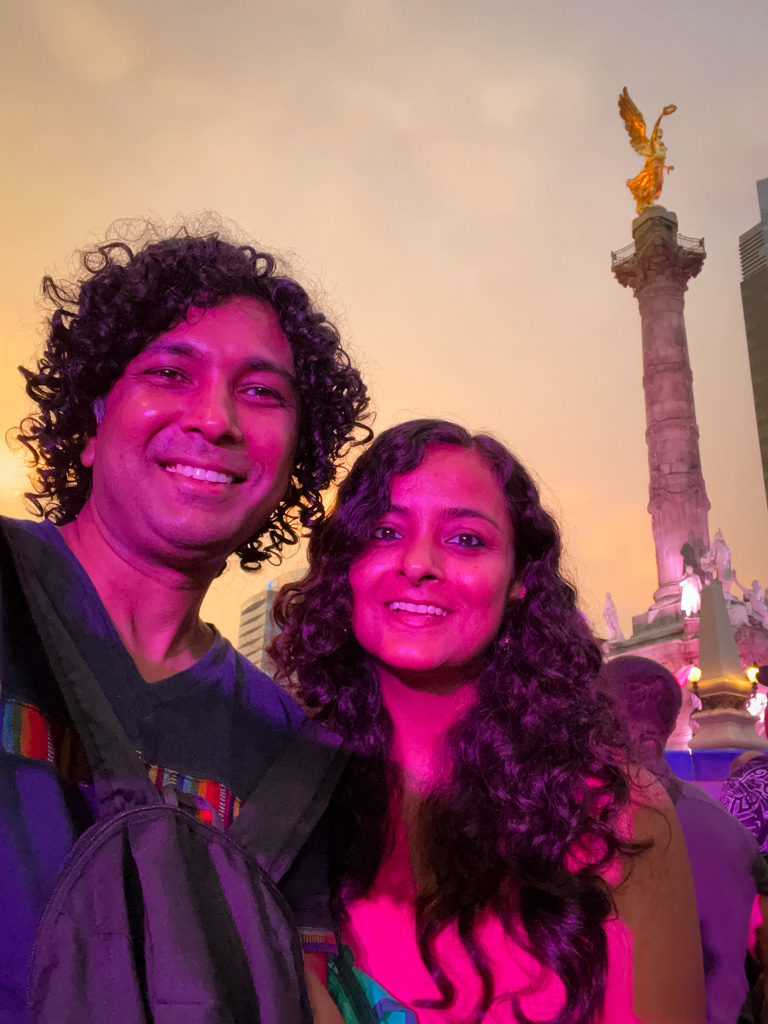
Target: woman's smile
{"x": 431, "y": 586}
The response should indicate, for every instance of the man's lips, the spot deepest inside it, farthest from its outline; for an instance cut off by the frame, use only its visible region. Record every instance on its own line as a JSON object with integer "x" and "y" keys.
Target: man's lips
{"x": 214, "y": 474}
{"x": 418, "y": 608}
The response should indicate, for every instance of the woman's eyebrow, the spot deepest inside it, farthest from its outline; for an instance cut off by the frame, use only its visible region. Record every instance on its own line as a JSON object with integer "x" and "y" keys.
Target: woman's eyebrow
{"x": 459, "y": 512}
{"x": 469, "y": 513}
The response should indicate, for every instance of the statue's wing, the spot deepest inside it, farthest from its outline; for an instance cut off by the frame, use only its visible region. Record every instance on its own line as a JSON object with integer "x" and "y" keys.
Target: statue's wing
{"x": 634, "y": 123}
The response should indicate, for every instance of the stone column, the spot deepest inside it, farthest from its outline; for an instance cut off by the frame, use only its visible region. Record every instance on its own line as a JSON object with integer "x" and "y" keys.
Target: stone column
{"x": 658, "y": 268}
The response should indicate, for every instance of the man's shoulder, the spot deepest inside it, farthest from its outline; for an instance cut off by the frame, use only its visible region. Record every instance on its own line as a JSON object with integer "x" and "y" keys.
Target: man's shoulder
{"x": 34, "y": 541}
{"x": 31, "y": 536}
{"x": 720, "y": 825}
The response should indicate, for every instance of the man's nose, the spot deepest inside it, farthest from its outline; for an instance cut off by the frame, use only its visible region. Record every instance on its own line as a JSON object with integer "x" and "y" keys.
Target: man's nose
{"x": 421, "y": 561}
{"x": 212, "y": 411}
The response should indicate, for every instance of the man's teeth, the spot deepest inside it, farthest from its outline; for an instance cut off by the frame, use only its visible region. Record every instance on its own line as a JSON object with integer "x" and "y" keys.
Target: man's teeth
{"x": 200, "y": 474}
{"x": 416, "y": 609}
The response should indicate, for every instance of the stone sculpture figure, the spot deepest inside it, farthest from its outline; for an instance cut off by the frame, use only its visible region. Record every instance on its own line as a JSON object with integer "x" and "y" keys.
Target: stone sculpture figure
{"x": 754, "y": 597}
{"x": 611, "y": 619}
{"x": 718, "y": 563}
{"x": 645, "y": 186}
{"x": 690, "y": 599}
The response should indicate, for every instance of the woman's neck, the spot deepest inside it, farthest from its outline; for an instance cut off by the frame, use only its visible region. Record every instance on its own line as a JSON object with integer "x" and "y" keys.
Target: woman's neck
{"x": 421, "y": 721}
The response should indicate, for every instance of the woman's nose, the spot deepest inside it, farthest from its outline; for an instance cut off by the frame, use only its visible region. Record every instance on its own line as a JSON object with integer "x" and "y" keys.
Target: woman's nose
{"x": 421, "y": 561}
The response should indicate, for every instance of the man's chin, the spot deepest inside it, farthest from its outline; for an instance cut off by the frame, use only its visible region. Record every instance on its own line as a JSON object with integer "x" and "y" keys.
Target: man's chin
{"x": 183, "y": 545}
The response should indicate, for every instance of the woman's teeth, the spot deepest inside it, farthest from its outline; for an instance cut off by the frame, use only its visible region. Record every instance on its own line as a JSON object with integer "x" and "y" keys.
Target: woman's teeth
{"x": 416, "y": 609}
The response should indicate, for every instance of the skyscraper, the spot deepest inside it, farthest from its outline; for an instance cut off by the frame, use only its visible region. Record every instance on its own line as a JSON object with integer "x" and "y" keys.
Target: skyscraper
{"x": 257, "y": 627}
{"x": 753, "y": 247}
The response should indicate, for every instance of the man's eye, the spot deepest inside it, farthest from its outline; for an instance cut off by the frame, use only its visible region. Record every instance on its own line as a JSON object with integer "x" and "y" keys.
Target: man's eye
{"x": 165, "y": 373}
{"x": 262, "y": 393}
{"x": 467, "y": 540}
{"x": 385, "y": 533}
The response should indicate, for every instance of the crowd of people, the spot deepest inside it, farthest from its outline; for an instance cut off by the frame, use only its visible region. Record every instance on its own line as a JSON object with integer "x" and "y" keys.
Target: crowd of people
{"x": 446, "y": 809}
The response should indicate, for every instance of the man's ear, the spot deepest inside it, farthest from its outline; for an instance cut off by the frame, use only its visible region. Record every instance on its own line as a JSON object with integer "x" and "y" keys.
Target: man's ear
{"x": 88, "y": 454}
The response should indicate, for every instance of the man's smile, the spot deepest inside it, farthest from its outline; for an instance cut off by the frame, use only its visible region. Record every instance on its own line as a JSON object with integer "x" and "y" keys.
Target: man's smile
{"x": 200, "y": 473}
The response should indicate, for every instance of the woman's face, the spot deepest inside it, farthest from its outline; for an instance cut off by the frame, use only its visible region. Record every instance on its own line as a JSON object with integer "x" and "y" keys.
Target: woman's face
{"x": 430, "y": 589}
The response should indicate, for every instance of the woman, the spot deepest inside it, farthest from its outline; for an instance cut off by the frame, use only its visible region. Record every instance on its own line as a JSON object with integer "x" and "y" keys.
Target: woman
{"x": 485, "y": 828}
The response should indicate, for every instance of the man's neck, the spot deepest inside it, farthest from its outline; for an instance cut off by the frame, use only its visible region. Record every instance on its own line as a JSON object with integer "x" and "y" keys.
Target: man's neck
{"x": 154, "y": 607}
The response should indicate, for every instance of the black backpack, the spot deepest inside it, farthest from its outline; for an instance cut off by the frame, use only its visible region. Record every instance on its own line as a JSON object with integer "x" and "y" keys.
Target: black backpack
{"x": 158, "y": 918}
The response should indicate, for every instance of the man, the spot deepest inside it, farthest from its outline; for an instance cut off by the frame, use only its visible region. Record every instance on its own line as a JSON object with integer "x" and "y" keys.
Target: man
{"x": 728, "y": 870}
{"x": 191, "y": 404}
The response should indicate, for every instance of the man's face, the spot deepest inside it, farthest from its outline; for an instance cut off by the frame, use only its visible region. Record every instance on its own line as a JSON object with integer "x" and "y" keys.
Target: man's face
{"x": 197, "y": 442}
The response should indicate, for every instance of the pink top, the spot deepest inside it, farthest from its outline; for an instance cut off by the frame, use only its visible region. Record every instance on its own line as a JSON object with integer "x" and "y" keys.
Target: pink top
{"x": 381, "y": 929}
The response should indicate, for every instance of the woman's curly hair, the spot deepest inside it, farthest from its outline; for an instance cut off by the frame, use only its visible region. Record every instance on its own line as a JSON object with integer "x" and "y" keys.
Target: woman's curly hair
{"x": 536, "y": 762}
{"x": 124, "y": 300}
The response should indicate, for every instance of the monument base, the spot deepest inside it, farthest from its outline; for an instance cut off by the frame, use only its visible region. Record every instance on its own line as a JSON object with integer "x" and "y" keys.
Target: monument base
{"x": 726, "y": 729}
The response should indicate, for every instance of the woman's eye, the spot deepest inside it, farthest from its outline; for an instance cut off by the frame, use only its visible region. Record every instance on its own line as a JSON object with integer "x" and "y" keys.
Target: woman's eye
{"x": 467, "y": 540}
{"x": 385, "y": 533}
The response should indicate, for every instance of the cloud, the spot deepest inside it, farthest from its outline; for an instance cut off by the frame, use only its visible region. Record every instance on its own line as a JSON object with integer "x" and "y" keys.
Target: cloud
{"x": 85, "y": 39}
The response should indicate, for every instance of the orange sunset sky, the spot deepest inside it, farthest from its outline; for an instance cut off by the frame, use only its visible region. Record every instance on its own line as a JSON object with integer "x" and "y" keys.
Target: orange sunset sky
{"x": 450, "y": 175}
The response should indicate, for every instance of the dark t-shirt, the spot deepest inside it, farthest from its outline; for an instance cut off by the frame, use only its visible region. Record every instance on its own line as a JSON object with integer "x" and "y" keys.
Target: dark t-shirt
{"x": 210, "y": 730}
{"x": 728, "y": 872}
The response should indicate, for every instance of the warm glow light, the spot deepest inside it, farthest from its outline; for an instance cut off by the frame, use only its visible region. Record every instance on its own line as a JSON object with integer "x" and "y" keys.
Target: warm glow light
{"x": 752, "y": 673}
{"x": 695, "y": 674}
{"x": 756, "y": 705}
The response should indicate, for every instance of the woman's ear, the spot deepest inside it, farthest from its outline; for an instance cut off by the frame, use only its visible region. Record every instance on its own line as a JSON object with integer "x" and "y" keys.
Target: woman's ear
{"x": 516, "y": 590}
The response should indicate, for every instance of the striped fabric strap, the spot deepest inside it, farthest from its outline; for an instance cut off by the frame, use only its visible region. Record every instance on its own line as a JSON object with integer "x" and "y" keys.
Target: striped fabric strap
{"x": 215, "y": 804}
{"x": 25, "y": 731}
{"x": 315, "y": 941}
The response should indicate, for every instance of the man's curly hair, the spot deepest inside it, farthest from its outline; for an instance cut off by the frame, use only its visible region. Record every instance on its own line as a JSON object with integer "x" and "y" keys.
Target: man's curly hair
{"x": 124, "y": 299}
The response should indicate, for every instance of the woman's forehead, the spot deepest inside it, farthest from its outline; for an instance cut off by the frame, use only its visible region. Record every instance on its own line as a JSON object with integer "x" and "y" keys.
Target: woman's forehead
{"x": 449, "y": 475}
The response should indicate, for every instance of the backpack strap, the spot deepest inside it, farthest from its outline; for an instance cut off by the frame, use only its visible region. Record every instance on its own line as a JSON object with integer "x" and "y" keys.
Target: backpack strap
{"x": 277, "y": 818}
{"x": 281, "y": 813}
{"x": 119, "y": 776}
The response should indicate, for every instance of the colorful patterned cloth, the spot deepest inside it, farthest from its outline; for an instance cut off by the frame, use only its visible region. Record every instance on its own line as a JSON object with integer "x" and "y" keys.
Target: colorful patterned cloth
{"x": 745, "y": 795}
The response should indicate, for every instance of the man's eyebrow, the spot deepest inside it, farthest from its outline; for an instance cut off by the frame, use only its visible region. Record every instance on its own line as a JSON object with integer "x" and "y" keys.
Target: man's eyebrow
{"x": 460, "y": 512}
{"x": 188, "y": 350}
{"x": 267, "y": 366}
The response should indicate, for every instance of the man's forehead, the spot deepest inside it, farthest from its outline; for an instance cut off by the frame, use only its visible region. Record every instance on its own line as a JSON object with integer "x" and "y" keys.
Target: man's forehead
{"x": 238, "y": 310}
{"x": 248, "y": 330}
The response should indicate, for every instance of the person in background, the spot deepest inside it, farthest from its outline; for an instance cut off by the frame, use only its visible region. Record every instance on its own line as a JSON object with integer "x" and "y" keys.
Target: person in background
{"x": 190, "y": 403}
{"x": 492, "y": 860}
{"x": 728, "y": 871}
{"x": 745, "y": 794}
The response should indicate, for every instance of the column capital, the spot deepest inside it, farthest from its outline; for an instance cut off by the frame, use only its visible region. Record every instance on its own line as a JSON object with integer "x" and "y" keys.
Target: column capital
{"x": 658, "y": 253}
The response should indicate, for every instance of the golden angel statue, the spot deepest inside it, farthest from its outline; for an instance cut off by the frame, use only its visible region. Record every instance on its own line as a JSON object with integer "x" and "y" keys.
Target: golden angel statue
{"x": 646, "y": 186}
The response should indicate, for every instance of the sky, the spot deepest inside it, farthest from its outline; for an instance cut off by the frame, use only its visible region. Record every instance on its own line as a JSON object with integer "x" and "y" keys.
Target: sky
{"x": 450, "y": 180}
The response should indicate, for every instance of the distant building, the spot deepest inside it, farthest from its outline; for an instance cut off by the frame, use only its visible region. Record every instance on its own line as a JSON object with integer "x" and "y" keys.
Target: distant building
{"x": 753, "y": 247}
{"x": 257, "y": 628}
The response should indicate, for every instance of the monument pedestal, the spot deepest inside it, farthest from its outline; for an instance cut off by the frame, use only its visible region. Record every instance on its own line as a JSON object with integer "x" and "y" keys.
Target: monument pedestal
{"x": 724, "y": 690}
{"x": 726, "y": 729}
